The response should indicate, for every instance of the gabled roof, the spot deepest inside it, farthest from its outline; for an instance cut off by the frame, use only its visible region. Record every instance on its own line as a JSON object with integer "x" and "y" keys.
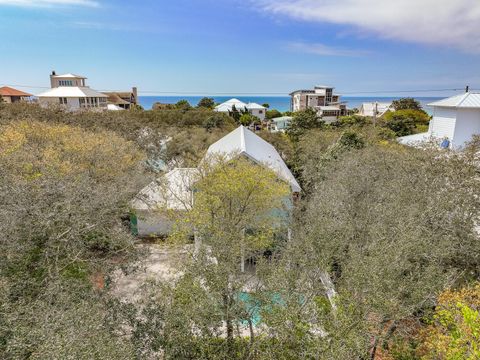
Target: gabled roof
{"x": 172, "y": 191}
{"x": 71, "y": 91}
{"x": 382, "y": 108}
{"x": 114, "y": 98}
{"x": 228, "y": 105}
{"x": 282, "y": 118}
{"x": 467, "y": 100}
{"x": 69, "y": 75}
{"x": 239, "y": 105}
{"x": 242, "y": 141}
{"x": 8, "y": 91}
{"x": 255, "y": 106}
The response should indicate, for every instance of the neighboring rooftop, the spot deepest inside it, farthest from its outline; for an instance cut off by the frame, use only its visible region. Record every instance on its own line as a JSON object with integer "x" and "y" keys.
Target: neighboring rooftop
{"x": 242, "y": 141}
{"x": 239, "y": 105}
{"x": 72, "y": 91}
{"x": 69, "y": 75}
{"x": 173, "y": 191}
{"x": 8, "y": 91}
{"x": 467, "y": 100}
{"x": 114, "y": 98}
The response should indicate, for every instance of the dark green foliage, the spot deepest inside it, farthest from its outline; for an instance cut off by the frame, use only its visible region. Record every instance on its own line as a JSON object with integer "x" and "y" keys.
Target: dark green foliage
{"x": 405, "y": 122}
{"x": 407, "y": 104}
{"x": 271, "y": 114}
{"x": 207, "y": 103}
{"x": 351, "y": 140}
{"x": 183, "y": 105}
{"x": 248, "y": 119}
{"x": 351, "y": 120}
{"x": 303, "y": 121}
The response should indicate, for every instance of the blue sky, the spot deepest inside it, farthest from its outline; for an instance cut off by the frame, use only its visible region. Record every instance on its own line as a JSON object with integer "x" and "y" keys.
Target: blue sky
{"x": 243, "y": 46}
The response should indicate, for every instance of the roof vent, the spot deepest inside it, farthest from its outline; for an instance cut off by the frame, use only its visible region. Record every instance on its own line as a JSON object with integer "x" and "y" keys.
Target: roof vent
{"x": 54, "y": 73}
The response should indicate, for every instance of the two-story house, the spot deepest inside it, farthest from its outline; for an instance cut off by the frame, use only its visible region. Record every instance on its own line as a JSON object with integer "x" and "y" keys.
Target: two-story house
{"x": 71, "y": 92}
{"x": 322, "y": 99}
{"x": 254, "y": 109}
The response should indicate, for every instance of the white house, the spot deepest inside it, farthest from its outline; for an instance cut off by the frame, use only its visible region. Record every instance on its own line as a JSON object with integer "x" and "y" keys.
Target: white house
{"x": 369, "y": 109}
{"x": 174, "y": 190}
{"x": 71, "y": 92}
{"x": 253, "y": 108}
{"x": 455, "y": 121}
{"x": 280, "y": 123}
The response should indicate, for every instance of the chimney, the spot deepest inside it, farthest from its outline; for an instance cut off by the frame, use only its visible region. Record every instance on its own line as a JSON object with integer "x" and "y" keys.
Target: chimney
{"x": 52, "y": 82}
{"x": 135, "y": 95}
{"x": 467, "y": 88}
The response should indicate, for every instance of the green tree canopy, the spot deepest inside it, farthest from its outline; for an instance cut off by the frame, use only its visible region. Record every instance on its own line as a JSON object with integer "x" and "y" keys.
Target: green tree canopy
{"x": 302, "y": 121}
{"x": 407, "y": 104}
{"x": 183, "y": 105}
{"x": 271, "y": 114}
{"x": 207, "y": 103}
{"x": 405, "y": 122}
{"x": 63, "y": 192}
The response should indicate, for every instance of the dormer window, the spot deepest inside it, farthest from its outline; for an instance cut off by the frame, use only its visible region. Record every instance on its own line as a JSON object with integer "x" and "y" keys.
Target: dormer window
{"x": 65, "y": 82}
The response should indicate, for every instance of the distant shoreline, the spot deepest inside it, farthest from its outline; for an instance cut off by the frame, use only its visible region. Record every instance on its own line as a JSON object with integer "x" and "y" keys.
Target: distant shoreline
{"x": 278, "y": 102}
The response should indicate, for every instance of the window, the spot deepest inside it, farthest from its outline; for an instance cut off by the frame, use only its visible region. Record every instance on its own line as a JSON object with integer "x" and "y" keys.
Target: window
{"x": 65, "y": 82}
{"x": 63, "y": 100}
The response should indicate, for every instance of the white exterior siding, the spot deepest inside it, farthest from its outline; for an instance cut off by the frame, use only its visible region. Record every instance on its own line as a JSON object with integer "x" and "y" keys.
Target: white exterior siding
{"x": 443, "y": 123}
{"x": 467, "y": 125}
{"x": 258, "y": 113}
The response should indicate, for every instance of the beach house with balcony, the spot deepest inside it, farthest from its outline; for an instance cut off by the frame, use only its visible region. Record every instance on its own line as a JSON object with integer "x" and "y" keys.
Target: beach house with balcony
{"x": 454, "y": 123}
{"x": 322, "y": 99}
{"x": 71, "y": 92}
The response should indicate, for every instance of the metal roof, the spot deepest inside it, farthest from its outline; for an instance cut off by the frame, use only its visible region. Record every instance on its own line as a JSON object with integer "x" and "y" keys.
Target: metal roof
{"x": 8, "y": 91}
{"x": 255, "y": 106}
{"x": 242, "y": 141}
{"x": 466, "y": 100}
{"x": 172, "y": 191}
{"x": 69, "y": 75}
{"x": 72, "y": 91}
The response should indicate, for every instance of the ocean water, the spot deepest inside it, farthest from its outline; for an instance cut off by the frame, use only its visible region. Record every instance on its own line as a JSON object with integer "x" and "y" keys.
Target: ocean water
{"x": 281, "y": 103}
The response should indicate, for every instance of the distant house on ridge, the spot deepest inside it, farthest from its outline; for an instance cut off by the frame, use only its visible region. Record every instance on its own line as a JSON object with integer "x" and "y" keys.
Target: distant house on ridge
{"x": 252, "y": 108}
{"x": 11, "y": 95}
{"x": 122, "y": 100}
{"x": 368, "y": 109}
{"x": 71, "y": 92}
{"x": 280, "y": 123}
{"x": 322, "y": 99}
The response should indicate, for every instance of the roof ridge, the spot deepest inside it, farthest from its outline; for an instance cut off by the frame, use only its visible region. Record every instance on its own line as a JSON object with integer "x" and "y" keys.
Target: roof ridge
{"x": 243, "y": 143}
{"x": 464, "y": 97}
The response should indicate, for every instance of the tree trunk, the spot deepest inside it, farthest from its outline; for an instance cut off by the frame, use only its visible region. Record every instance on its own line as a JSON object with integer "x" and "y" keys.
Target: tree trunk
{"x": 329, "y": 288}
{"x": 229, "y": 325}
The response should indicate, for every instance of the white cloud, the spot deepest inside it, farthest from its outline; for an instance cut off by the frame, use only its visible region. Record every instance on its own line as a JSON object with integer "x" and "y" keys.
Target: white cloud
{"x": 49, "y": 3}
{"x": 325, "y": 50}
{"x": 453, "y": 23}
